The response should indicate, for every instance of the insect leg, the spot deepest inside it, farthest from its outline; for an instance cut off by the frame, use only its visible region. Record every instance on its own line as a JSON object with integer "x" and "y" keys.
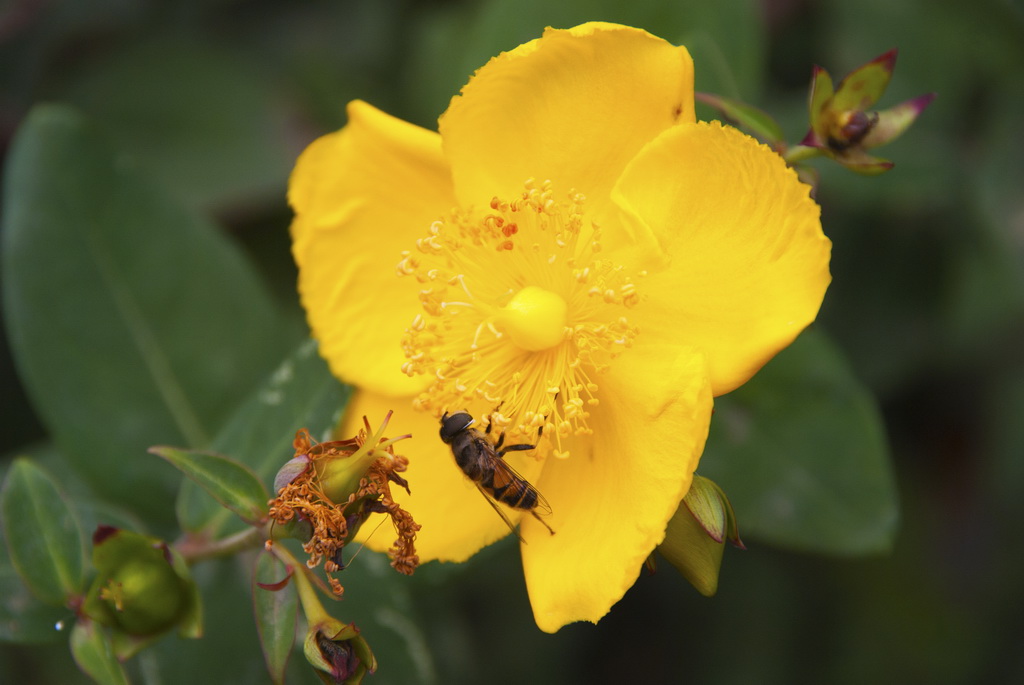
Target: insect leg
{"x": 545, "y": 523}
{"x": 512, "y": 448}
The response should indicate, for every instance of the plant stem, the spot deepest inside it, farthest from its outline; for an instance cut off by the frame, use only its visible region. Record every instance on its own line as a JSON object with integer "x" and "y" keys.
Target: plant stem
{"x": 311, "y": 605}
{"x": 799, "y": 153}
{"x": 194, "y": 551}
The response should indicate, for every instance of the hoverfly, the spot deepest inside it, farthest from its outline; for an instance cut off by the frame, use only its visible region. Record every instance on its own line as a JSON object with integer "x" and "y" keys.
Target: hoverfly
{"x": 482, "y": 462}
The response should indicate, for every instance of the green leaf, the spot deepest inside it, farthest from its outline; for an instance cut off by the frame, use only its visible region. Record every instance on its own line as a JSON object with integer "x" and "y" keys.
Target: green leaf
{"x": 204, "y": 120}
{"x": 801, "y": 452}
{"x": 133, "y": 322}
{"x": 301, "y": 393}
{"x": 230, "y": 652}
{"x": 276, "y": 612}
{"x": 42, "y": 534}
{"x": 94, "y": 653}
{"x": 755, "y": 121}
{"x": 23, "y": 618}
{"x": 232, "y": 484}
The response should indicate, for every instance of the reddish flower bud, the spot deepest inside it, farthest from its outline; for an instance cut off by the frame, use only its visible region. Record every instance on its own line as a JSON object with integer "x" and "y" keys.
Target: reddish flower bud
{"x": 843, "y": 127}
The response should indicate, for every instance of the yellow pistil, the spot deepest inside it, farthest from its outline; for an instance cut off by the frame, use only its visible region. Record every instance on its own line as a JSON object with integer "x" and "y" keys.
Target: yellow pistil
{"x": 519, "y": 312}
{"x": 534, "y": 318}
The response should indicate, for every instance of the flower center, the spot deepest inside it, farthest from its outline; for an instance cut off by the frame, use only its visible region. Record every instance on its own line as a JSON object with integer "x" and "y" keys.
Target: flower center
{"x": 520, "y": 314}
{"x": 534, "y": 318}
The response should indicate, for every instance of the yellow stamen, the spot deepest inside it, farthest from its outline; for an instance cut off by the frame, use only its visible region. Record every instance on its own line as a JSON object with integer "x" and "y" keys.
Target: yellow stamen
{"x": 520, "y": 311}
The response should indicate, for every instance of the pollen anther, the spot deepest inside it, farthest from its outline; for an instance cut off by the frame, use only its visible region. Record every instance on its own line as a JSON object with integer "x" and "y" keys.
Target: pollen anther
{"x": 519, "y": 313}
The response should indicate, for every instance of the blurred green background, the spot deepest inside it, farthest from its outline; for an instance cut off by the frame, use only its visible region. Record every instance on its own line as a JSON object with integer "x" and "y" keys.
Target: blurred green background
{"x": 215, "y": 99}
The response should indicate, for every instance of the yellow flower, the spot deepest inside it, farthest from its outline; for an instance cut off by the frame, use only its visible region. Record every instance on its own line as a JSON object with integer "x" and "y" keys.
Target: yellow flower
{"x": 573, "y": 251}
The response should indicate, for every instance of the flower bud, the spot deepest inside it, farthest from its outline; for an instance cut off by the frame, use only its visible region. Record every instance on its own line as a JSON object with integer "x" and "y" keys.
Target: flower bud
{"x": 338, "y": 652}
{"x": 142, "y": 586}
{"x": 695, "y": 537}
{"x": 843, "y": 128}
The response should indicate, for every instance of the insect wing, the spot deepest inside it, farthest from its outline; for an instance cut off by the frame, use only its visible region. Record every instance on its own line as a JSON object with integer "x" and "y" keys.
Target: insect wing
{"x": 505, "y": 476}
{"x": 504, "y": 517}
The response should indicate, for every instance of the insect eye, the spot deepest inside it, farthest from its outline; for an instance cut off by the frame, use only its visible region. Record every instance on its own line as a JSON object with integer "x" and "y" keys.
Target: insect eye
{"x": 452, "y": 424}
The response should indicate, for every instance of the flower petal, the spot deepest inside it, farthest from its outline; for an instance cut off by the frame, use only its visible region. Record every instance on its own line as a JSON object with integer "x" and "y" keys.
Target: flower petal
{"x": 821, "y": 95}
{"x": 859, "y": 161}
{"x": 893, "y": 122}
{"x": 748, "y": 262}
{"x": 573, "y": 106}
{"x": 862, "y": 87}
{"x": 456, "y": 519}
{"x": 361, "y": 196}
{"x": 613, "y": 497}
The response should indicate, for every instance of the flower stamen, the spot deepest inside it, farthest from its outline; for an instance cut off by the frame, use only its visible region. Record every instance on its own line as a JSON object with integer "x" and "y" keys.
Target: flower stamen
{"x": 334, "y": 486}
{"x": 520, "y": 311}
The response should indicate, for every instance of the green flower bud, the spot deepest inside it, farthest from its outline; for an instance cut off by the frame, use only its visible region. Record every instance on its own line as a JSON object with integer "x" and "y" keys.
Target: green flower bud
{"x": 695, "y": 537}
{"x": 142, "y": 586}
{"x": 338, "y": 652}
